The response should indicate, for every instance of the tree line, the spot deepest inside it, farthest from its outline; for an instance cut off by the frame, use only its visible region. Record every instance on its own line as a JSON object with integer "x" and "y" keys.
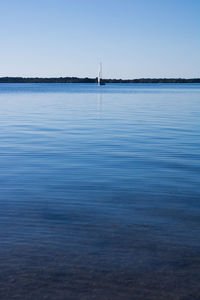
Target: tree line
{"x": 94, "y": 80}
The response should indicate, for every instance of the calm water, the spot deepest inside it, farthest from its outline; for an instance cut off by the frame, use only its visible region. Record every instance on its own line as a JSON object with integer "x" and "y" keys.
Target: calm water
{"x": 99, "y": 191}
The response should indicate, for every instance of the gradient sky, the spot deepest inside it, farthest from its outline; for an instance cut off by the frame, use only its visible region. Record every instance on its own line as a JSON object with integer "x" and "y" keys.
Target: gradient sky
{"x": 133, "y": 38}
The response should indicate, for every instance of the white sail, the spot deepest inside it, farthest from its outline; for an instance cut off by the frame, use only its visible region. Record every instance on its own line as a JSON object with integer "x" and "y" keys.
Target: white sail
{"x": 100, "y": 74}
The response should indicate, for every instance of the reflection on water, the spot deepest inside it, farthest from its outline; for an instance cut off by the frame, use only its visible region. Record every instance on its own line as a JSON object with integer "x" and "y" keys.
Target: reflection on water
{"x": 99, "y": 105}
{"x": 99, "y": 191}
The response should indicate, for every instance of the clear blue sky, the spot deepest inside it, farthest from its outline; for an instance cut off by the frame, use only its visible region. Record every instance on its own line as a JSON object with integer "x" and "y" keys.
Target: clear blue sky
{"x": 133, "y": 38}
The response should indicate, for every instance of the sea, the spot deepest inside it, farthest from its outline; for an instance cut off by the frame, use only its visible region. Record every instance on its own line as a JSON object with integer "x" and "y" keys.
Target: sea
{"x": 99, "y": 191}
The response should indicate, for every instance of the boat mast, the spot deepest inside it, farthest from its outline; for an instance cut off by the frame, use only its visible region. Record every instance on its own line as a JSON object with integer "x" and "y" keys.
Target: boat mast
{"x": 100, "y": 74}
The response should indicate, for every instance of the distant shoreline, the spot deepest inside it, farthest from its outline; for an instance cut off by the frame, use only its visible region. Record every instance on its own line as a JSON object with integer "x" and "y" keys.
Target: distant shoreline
{"x": 94, "y": 80}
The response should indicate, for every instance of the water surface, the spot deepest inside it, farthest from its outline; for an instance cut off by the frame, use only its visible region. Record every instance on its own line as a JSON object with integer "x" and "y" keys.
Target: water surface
{"x": 99, "y": 191}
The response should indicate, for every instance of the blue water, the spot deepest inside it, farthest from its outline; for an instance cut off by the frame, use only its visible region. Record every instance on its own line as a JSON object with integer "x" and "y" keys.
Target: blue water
{"x": 99, "y": 191}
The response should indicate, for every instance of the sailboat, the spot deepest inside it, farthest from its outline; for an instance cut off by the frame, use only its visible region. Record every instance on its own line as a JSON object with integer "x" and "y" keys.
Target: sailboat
{"x": 100, "y": 81}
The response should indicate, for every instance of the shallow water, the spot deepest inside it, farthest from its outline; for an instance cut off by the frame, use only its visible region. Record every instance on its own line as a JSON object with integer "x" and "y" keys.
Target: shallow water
{"x": 99, "y": 191}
